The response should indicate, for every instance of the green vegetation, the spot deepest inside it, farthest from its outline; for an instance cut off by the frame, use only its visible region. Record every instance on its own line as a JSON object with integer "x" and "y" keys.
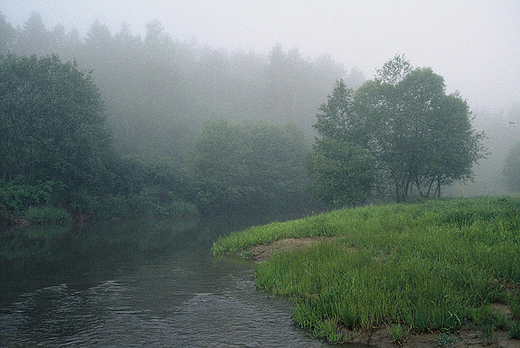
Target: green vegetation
{"x": 250, "y": 167}
{"x": 511, "y": 170}
{"x": 57, "y": 156}
{"x": 47, "y": 215}
{"x": 397, "y": 133}
{"x": 428, "y": 267}
{"x": 445, "y": 339}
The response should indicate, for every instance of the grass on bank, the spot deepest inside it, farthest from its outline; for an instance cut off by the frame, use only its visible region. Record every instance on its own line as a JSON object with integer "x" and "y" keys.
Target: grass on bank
{"x": 427, "y": 267}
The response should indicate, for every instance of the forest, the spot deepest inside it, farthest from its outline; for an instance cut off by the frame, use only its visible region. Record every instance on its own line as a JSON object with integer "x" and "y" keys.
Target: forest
{"x": 116, "y": 125}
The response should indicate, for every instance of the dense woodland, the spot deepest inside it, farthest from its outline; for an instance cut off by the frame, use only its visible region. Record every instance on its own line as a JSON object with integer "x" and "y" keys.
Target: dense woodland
{"x": 163, "y": 101}
{"x": 158, "y": 91}
{"x": 178, "y": 127}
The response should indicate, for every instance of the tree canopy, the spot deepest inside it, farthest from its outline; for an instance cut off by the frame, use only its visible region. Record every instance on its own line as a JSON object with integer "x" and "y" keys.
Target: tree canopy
{"x": 247, "y": 166}
{"x": 419, "y": 138}
{"x": 52, "y": 123}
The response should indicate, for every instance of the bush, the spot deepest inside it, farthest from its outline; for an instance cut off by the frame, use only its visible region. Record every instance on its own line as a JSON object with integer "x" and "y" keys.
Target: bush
{"x": 17, "y": 195}
{"x": 47, "y": 215}
{"x": 514, "y": 332}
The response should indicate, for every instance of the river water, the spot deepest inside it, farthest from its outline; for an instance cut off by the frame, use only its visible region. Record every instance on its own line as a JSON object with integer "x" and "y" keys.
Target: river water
{"x": 138, "y": 284}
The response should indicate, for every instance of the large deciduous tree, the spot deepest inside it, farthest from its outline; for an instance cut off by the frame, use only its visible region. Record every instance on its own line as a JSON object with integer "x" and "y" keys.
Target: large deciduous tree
{"x": 419, "y": 137}
{"x": 52, "y": 123}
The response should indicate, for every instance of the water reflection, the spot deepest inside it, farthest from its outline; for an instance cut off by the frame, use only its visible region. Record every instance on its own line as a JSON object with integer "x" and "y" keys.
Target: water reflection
{"x": 144, "y": 284}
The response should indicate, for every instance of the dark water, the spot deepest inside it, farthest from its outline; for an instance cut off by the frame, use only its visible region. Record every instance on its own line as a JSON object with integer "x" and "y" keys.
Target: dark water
{"x": 137, "y": 284}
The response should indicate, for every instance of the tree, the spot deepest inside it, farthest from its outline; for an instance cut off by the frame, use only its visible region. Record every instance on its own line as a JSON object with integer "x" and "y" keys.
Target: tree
{"x": 34, "y": 38}
{"x": 98, "y": 38}
{"x": 335, "y": 120}
{"x": 512, "y": 169}
{"x": 342, "y": 171}
{"x": 52, "y": 123}
{"x": 249, "y": 166}
{"x": 421, "y": 138}
{"x": 7, "y": 35}
{"x": 418, "y": 138}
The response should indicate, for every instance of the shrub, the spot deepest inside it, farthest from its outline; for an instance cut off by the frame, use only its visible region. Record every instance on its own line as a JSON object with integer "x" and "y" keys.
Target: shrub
{"x": 47, "y": 215}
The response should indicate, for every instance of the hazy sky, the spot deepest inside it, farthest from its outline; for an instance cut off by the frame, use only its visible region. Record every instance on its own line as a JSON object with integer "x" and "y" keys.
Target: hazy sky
{"x": 474, "y": 45}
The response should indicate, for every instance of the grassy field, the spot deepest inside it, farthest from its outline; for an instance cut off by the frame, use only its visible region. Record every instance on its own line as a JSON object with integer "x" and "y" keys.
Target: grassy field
{"x": 417, "y": 268}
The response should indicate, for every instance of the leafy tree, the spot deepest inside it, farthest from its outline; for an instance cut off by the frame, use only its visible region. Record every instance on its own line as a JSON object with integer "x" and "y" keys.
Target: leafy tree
{"x": 421, "y": 138}
{"x": 418, "y": 138}
{"x": 52, "y": 123}
{"x": 335, "y": 120}
{"x": 7, "y": 35}
{"x": 512, "y": 169}
{"x": 342, "y": 171}
{"x": 98, "y": 37}
{"x": 34, "y": 38}
{"x": 249, "y": 166}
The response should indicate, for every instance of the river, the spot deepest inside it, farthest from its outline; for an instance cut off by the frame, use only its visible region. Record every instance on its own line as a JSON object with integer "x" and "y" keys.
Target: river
{"x": 137, "y": 284}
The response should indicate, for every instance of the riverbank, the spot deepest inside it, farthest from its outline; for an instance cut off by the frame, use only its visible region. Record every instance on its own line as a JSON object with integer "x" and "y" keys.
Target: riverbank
{"x": 436, "y": 273}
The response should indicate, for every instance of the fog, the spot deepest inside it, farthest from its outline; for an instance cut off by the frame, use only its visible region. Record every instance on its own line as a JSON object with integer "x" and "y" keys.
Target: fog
{"x": 474, "y": 45}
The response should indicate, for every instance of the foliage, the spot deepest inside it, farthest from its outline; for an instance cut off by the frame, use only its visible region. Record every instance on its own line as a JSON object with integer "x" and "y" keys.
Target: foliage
{"x": 344, "y": 174}
{"x": 17, "y": 195}
{"x": 429, "y": 266}
{"x": 138, "y": 188}
{"x": 56, "y": 150}
{"x": 159, "y": 90}
{"x": 249, "y": 166}
{"x": 47, "y": 215}
{"x": 419, "y": 138}
{"x": 514, "y": 332}
{"x": 51, "y": 123}
{"x": 512, "y": 168}
{"x": 445, "y": 339}
{"x": 158, "y": 93}
{"x": 399, "y": 334}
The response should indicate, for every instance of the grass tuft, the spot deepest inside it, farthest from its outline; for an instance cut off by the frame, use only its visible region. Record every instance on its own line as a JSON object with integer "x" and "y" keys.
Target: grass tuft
{"x": 445, "y": 339}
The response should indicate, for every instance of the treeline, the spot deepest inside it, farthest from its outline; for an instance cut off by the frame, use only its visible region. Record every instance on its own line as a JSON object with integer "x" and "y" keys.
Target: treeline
{"x": 115, "y": 125}
{"x": 58, "y": 157}
{"x": 159, "y": 91}
{"x": 156, "y": 104}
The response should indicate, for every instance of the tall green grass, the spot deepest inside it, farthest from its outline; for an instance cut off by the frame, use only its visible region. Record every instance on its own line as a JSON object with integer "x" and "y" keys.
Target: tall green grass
{"x": 430, "y": 267}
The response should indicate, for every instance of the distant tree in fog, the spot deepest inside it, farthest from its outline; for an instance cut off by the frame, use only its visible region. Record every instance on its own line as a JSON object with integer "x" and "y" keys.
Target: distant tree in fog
{"x": 34, "y": 37}
{"x": 7, "y": 36}
{"x": 158, "y": 91}
{"x": 240, "y": 167}
{"x": 512, "y": 169}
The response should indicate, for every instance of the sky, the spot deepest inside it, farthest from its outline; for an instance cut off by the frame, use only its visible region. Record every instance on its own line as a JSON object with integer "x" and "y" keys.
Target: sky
{"x": 473, "y": 44}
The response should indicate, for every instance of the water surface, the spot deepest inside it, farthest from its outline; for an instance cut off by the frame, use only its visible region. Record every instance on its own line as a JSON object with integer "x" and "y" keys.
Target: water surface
{"x": 139, "y": 284}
